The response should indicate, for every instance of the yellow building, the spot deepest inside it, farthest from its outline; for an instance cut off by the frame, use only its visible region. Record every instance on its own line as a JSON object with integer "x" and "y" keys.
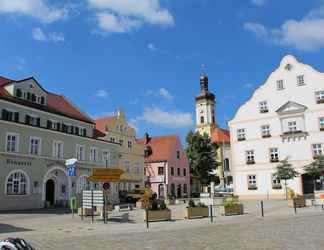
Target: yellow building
{"x": 116, "y": 129}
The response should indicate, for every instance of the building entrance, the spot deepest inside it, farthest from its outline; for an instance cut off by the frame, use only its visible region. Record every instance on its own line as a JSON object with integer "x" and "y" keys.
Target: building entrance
{"x": 50, "y": 192}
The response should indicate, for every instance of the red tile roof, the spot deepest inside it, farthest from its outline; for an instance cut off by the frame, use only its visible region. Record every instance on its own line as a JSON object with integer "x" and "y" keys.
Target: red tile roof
{"x": 220, "y": 135}
{"x": 102, "y": 122}
{"x": 55, "y": 103}
{"x": 161, "y": 147}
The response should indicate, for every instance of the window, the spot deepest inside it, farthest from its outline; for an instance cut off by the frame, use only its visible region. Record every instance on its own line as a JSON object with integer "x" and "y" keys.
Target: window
{"x": 178, "y": 172}
{"x": 17, "y": 184}
{"x": 252, "y": 182}
{"x": 274, "y": 154}
{"x": 184, "y": 172}
{"x": 161, "y": 171}
{"x": 276, "y": 183}
{"x": 12, "y": 143}
{"x": 93, "y": 154}
{"x": 32, "y": 120}
{"x": 263, "y": 107}
{"x": 172, "y": 171}
{"x": 106, "y": 157}
{"x": 80, "y": 152}
{"x": 241, "y": 134}
{"x": 58, "y": 149}
{"x": 319, "y": 96}
{"x": 185, "y": 189}
{"x": 129, "y": 145}
{"x": 52, "y": 125}
{"x": 250, "y": 157}
{"x": 317, "y": 150}
{"x": 300, "y": 80}
{"x": 138, "y": 168}
{"x": 202, "y": 120}
{"x": 84, "y": 184}
{"x": 35, "y": 146}
{"x": 265, "y": 131}
{"x": 127, "y": 166}
{"x": 112, "y": 139}
{"x": 280, "y": 85}
{"x": 292, "y": 126}
{"x": 10, "y": 115}
{"x": 321, "y": 123}
{"x": 178, "y": 154}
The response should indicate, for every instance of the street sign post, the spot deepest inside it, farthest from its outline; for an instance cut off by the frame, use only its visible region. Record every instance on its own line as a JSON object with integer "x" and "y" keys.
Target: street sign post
{"x": 91, "y": 199}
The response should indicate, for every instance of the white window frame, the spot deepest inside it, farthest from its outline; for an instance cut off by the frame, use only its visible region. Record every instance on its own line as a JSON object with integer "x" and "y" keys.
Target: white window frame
{"x": 33, "y": 119}
{"x": 280, "y": 84}
{"x": 241, "y": 134}
{"x": 56, "y": 152}
{"x": 250, "y": 156}
{"x": 265, "y": 130}
{"x": 317, "y": 149}
{"x": 94, "y": 154}
{"x": 127, "y": 167}
{"x": 275, "y": 182}
{"x": 263, "y": 107}
{"x": 252, "y": 181}
{"x": 292, "y": 126}
{"x": 301, "y": 80}
{"x": 77, "y": 152}
{"x": 138, "y": 168}
{"x": 321, "y": 123}
{"x": 319, "y": 95}
{"x": 104, "y": 158}
{"x": 36, "y": 151}
{"x": 274, "y": 153}
{"x": 27, "y": 184}
{"x": 17, "y": 142}
{"x": 129, "y": 145}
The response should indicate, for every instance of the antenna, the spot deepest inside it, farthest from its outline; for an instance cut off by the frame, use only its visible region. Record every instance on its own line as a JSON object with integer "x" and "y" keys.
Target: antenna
{"x": 203, "y": 69}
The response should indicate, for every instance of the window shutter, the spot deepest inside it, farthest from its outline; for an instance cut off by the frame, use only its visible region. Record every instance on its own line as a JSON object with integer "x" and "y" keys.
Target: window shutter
{"x": 49, "y": 124}
{"x": 28, "y": 96}
{"x": 42, "y": 100}
{"x": 38, "y": 122}
{"x": 84, "y": 133}
{"x": 27, "y": 119}
{"x": 72, "y": 130}
{"x": 76, "y": 130}
{"x": 4, "y": 114}
{"x": 33, "y": 98}
{"x": 58, "y": 125}
{"x": 16, "y": 117}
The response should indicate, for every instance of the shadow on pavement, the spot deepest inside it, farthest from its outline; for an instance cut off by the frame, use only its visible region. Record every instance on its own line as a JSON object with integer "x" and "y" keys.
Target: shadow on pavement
{"x": 6, "y": 228}
{"x": 54, "y": 210}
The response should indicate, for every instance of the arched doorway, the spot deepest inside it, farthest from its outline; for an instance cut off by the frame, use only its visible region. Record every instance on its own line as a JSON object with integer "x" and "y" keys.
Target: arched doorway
{"x": 50, "y": 192}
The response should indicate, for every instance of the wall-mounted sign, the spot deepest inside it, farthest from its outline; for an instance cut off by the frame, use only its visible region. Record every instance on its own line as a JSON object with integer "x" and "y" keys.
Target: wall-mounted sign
{"x": 18, "y": 162}
{"x": 106, "y": 175}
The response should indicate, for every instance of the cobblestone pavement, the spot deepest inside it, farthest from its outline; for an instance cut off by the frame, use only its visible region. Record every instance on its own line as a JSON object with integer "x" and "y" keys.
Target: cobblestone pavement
{"x": 279, "y": 229}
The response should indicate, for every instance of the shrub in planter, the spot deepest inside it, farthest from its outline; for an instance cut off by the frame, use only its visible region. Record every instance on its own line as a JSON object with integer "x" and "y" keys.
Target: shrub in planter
{"x": 158, "y": 211}
{"x": 196, "y": 211}
{"x": 231, "y": 206}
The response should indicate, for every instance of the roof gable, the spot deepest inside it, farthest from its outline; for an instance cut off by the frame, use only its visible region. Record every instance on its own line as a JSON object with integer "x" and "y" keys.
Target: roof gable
{"x": 291, "y": 108}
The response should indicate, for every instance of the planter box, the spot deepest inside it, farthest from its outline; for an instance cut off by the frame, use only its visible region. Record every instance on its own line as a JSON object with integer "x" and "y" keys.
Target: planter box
{"x": 158, "y": 215}
{"x": 196, "y": 212}
{"x": 300, "y": 202}
{"x": 235, "y": 210}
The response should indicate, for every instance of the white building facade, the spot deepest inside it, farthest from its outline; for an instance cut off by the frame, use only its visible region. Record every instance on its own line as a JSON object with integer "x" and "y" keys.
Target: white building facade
{"x": 283, "y": 118}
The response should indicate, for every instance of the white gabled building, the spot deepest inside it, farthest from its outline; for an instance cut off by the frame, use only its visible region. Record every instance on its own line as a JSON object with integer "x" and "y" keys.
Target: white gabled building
{"x": 283, "y": 118}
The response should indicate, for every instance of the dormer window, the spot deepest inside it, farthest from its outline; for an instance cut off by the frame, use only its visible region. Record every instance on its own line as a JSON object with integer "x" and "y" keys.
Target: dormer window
{"x": 19, "y": 93}
{"x": 300, "y": 80}
{"x": 263, "y": 107}
{"x": 280, "y": 85}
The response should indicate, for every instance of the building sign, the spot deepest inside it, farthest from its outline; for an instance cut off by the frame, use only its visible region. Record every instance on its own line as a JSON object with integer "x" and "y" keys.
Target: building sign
{"x": 106, "y": 175}
{"x": 18, "y": 163}
{"x": 71, "y": 169}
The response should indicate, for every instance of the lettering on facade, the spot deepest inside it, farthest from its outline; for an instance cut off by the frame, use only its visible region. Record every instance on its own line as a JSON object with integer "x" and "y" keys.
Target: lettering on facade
{"x": 18, "y": 163}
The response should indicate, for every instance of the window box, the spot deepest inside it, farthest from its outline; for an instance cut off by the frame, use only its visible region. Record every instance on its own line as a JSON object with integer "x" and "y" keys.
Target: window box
{"x": 321, "y": 129}
{"x": 266, "y": 136}
{"x": 241, "y": 139}
{"x": 315, "y": 157}
{"x": 252, "y": 187}
{"x": 264, "y": 111}
{"x": 196, "y": 212}
{"x": 274, "y": 160}
{"x": 278, "y": 186}
{"x": 158, "y": 215}
{"x": 320, "y": 101}
{"x": 250, "y": 162}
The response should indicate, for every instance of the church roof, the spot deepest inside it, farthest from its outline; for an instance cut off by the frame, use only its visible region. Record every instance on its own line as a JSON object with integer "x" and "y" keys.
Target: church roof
{"x": 220, "y": 135}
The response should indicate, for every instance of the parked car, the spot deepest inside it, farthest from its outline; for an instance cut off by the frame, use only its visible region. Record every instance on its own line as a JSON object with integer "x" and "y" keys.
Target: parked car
{"x": 138, "y": 193}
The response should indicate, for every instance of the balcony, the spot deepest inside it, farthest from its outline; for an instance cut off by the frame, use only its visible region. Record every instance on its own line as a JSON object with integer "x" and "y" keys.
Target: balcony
{"x": 297, "y": 134}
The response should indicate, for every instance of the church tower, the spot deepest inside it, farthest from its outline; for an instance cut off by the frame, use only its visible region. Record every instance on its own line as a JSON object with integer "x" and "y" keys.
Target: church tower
{"x": 205, "y": 108}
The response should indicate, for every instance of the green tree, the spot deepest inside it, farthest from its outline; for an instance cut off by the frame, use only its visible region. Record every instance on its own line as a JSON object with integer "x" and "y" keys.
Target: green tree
{"x": 315, "y": 169}
{"x": 201, "y": 155}
{"x": 285, "y": 172}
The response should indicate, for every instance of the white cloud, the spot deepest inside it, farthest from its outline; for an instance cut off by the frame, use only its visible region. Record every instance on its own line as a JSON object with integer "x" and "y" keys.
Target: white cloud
{"x": 306, "y": 34}
{"x": 120, "y": 16}
{"x": 151, "y": 47}
{"x": 162, "y": 92}
{"x": 101, "y": 93}
{"x": 166, "y": 119}
{"x": 39, "y": 35}
{"x": 165, "y": 94}
{"x": 33, "y": 8}
{"x": 259, "y": 2}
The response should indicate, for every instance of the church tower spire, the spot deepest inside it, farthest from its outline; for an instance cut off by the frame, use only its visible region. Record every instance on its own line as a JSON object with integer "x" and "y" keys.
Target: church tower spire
{"x": 205, "y": 107}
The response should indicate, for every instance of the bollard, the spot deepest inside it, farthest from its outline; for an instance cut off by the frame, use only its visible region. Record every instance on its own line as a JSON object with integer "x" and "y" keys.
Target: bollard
{"x": 295, "y": 208}
{"x": 262, "y": 211}
{"x": 211, "y": 213}
{"x": 322, "y": 207}
{"x": 147, "y": 220}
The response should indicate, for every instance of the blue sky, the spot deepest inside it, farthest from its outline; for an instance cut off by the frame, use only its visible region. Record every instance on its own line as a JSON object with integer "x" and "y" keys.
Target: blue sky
{"x": 145, "y": 55}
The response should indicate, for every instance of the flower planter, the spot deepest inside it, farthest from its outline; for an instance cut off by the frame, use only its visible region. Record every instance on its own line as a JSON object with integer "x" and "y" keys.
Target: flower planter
{"x": 196, "y": 212}
{"x": 237, "y": 209}
{"x": 158, "y": 215}
{"x": 300, "y": 202}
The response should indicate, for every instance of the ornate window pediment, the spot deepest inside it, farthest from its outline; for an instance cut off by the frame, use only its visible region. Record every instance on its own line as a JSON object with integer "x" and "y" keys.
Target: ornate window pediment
{"x": 291, "y": 108}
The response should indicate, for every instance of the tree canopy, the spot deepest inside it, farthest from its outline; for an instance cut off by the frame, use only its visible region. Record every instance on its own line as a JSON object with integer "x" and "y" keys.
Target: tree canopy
{"x": 315, "y": 168}
{"x": 285, "y": 171}
{"x": 201, "y": 154}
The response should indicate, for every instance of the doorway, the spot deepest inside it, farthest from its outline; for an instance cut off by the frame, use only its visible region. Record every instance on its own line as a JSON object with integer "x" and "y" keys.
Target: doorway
{"x": 50, "y": 191}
